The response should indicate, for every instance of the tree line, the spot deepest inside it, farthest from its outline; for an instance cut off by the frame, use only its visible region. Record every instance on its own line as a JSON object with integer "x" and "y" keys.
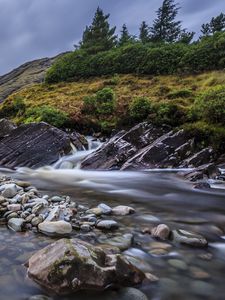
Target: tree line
{"x": 99, "y": 36}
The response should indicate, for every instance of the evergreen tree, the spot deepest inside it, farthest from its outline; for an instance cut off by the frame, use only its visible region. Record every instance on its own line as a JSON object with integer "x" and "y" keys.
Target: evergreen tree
{"x": 165, "y": 28}
{"x": 186, "y": 37}
{"x": 217, "y": 24}
{"x": 98, "y": 36}
{"x": 125, "y": 37}
{"x": 144, "y": 33}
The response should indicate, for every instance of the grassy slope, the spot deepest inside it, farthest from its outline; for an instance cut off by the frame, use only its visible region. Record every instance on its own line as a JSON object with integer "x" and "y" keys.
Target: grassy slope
{"x": 68, "y": 97}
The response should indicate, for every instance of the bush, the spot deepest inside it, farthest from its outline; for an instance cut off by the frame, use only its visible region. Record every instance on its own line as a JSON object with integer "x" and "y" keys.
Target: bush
{"x": 206, "y": 134}
{"x": 102, "y": 103}
{"x": 13, "y": 108}
{"x": 184, "y": 93}
{"x": 169, "y": 114}
{"x": 210, "y": 106}
{"x": 47, "y": 114}
{"x": 140, "y": 108}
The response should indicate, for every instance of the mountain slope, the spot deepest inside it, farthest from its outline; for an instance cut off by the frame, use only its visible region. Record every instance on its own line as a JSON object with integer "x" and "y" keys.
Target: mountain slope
{"x": 25, "y": 75}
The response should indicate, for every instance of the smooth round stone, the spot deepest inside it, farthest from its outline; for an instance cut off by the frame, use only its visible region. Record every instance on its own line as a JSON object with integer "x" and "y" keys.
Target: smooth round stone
{"x": 202, "y": 288}
{"x": 122, "y": 242}
{"x": 12, "y": 215}
{"x": 85, "y": 227}
{"x": 106, "y": 210}
{"x": 56, "y": 199}
{"x": 10, "y": 190}
{"x": 122, "y": 210}
{"x": 40, "y": 297}
{"x": 159, "y": 245}
{"x": 178, "y": 264}
{"x": 162, "y": 232}
{"x": 55, "y": 228}
{"x": 14, "y": 207}
{"x": 36, "y": 220}
{"x": 131, "y": 294}
{"x": 189, "y": 238}
{"x": 198, "y": 273}
{"x": 158, "y": 252}
{"x": 16, "y": 224}
{"x": 96, "y": 211}
{"x": 107, "y": 224}
{"x": 23, "y": 184}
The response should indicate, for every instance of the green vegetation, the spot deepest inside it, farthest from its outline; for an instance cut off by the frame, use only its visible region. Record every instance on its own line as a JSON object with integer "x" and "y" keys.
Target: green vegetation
{"x": 140, "y": 108}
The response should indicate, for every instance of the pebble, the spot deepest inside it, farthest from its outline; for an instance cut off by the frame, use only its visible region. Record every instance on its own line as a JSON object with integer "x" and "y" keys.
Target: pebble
{"x": 107, "y": 224}
{"x": 16, "y": 224}
{"x": 122, "y": 242}
{"x": 178, "y": 264}
{"x": 131, "y": 294}
{"x": 10, "y": 190}
{"x": 122, "y": 210}
{"x": 162, "y": 232}
{"x": 189, "y": 238}
{"x": 14, "y": 207}
{"x": 106, "y": 210}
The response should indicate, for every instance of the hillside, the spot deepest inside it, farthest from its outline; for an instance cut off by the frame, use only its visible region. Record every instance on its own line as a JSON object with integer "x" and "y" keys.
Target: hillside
{"x": 28, "y": 73}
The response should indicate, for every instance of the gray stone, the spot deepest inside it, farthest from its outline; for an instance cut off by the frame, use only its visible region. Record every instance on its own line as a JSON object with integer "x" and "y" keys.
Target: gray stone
{"x": 122, "y": 242}
{"x": 162, "y": 232}
{"x": 55, "y": 228}
{"x": 122, "y": 210}
{"x": 10, "y": 190}
{"x": 106, "y": 210}
{"x": 131, "y": 294}
{"x": 107, "y": 224}
{"x": 189, "y": 238}
{"x": 16, "y": 224}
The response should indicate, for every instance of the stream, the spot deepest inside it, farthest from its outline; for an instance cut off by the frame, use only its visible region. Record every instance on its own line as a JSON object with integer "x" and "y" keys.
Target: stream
{"x": 158, "y": 196}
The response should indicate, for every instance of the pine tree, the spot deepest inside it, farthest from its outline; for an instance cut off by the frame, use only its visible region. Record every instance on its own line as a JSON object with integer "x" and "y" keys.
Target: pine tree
{"x": 217, "y": 24}
{"x": 99, "y": 36}
{"x": 186, "y": 37}
{"x": 125, "y": 37}
{"x": 144, "y": 33}
{"x": 165, "y": 28}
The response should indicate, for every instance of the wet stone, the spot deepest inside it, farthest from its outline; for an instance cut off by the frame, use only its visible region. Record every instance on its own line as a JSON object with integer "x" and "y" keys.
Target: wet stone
{"x": 107, "y": 224}
{"x": 106, "y": 210}
{"x": 16, "y": 224}
{"x": 162, "y": 232}
{"x": 122, "y": 210}
{"x": 178, "y": 264}
{"x": 189, "y": 238}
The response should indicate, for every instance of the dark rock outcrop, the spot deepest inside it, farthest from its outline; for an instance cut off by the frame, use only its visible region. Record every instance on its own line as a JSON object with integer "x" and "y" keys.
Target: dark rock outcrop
{"x": 67, "y": 266}
{"x": 27, "y": 74}
{"x": 33, "y": 145}
{"x": 145, "y": 147}
{"x": 6, "y": 127}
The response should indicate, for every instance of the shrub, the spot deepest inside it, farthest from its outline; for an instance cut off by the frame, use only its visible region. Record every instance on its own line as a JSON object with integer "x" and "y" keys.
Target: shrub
{"x": 184, "y": 93}
{"x": 140, "y": 108}
{"x": 47, "y": 114}
{"x": 207, "y": 134}
{"x": 13, "y": 108}
{"x": 169, "y": 114}
{"x": 102, "y": 103}
{"x": 210, "y": 106}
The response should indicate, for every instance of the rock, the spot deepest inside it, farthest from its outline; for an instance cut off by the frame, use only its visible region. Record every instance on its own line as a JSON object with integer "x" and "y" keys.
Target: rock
{"x": 14, "y": 207}
{"x": 16, "y": 224}
{"x": 189, "y": 238}
{"x": 96, "y": 211}
{"x": 66, "y": 165}
{"x": 107, "y": 224}
{"x": 122, "y": 210}
{"x": 122, "y": 242}
{"x": 56, "y": 199}
{"x": 106, "y": 210}
{"x": 36, "y": 221}
{"x": 131, "y": 294}
{"x": 33, "y": 145}
{"x": 67, "y": 266}
{"x": 178, "y": 264}
{"x": 6, "y": 127}
{"x": 162, "y": 232}
{"x": 55, "y": 228}
{"x": 40, "y": 297}
{"x": 10, "y": 190}
{"x": 79, "y": 141}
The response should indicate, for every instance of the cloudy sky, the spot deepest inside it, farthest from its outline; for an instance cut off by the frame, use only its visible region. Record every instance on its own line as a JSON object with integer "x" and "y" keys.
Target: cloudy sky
{"x": 31, "y": 29}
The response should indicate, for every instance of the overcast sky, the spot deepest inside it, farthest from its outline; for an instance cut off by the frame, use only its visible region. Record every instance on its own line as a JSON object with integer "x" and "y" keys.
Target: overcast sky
{"x": 31, "y": 29}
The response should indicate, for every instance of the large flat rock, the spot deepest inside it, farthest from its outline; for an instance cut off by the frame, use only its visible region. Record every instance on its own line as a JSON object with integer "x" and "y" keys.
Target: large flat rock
{"x": 33, "y": 145}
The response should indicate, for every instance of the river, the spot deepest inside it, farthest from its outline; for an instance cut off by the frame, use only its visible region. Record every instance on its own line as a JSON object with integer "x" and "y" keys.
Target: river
{"x": 158, "y": 196}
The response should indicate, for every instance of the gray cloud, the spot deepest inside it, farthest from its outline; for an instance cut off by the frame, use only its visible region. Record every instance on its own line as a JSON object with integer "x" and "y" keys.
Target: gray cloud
{"x": 31, "y": 29}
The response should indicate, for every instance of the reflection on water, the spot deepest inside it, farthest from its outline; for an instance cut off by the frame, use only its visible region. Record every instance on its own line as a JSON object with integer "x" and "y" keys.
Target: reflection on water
{"x": 185, "y": 273}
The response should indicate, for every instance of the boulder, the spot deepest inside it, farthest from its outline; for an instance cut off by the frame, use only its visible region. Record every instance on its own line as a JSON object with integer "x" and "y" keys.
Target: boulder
{"x": 33, "y": 145}
{"x": 67, "y": 266}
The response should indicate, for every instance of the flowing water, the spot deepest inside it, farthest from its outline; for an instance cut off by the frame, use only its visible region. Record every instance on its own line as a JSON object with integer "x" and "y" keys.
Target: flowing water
{"x": 158, "y": 197}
